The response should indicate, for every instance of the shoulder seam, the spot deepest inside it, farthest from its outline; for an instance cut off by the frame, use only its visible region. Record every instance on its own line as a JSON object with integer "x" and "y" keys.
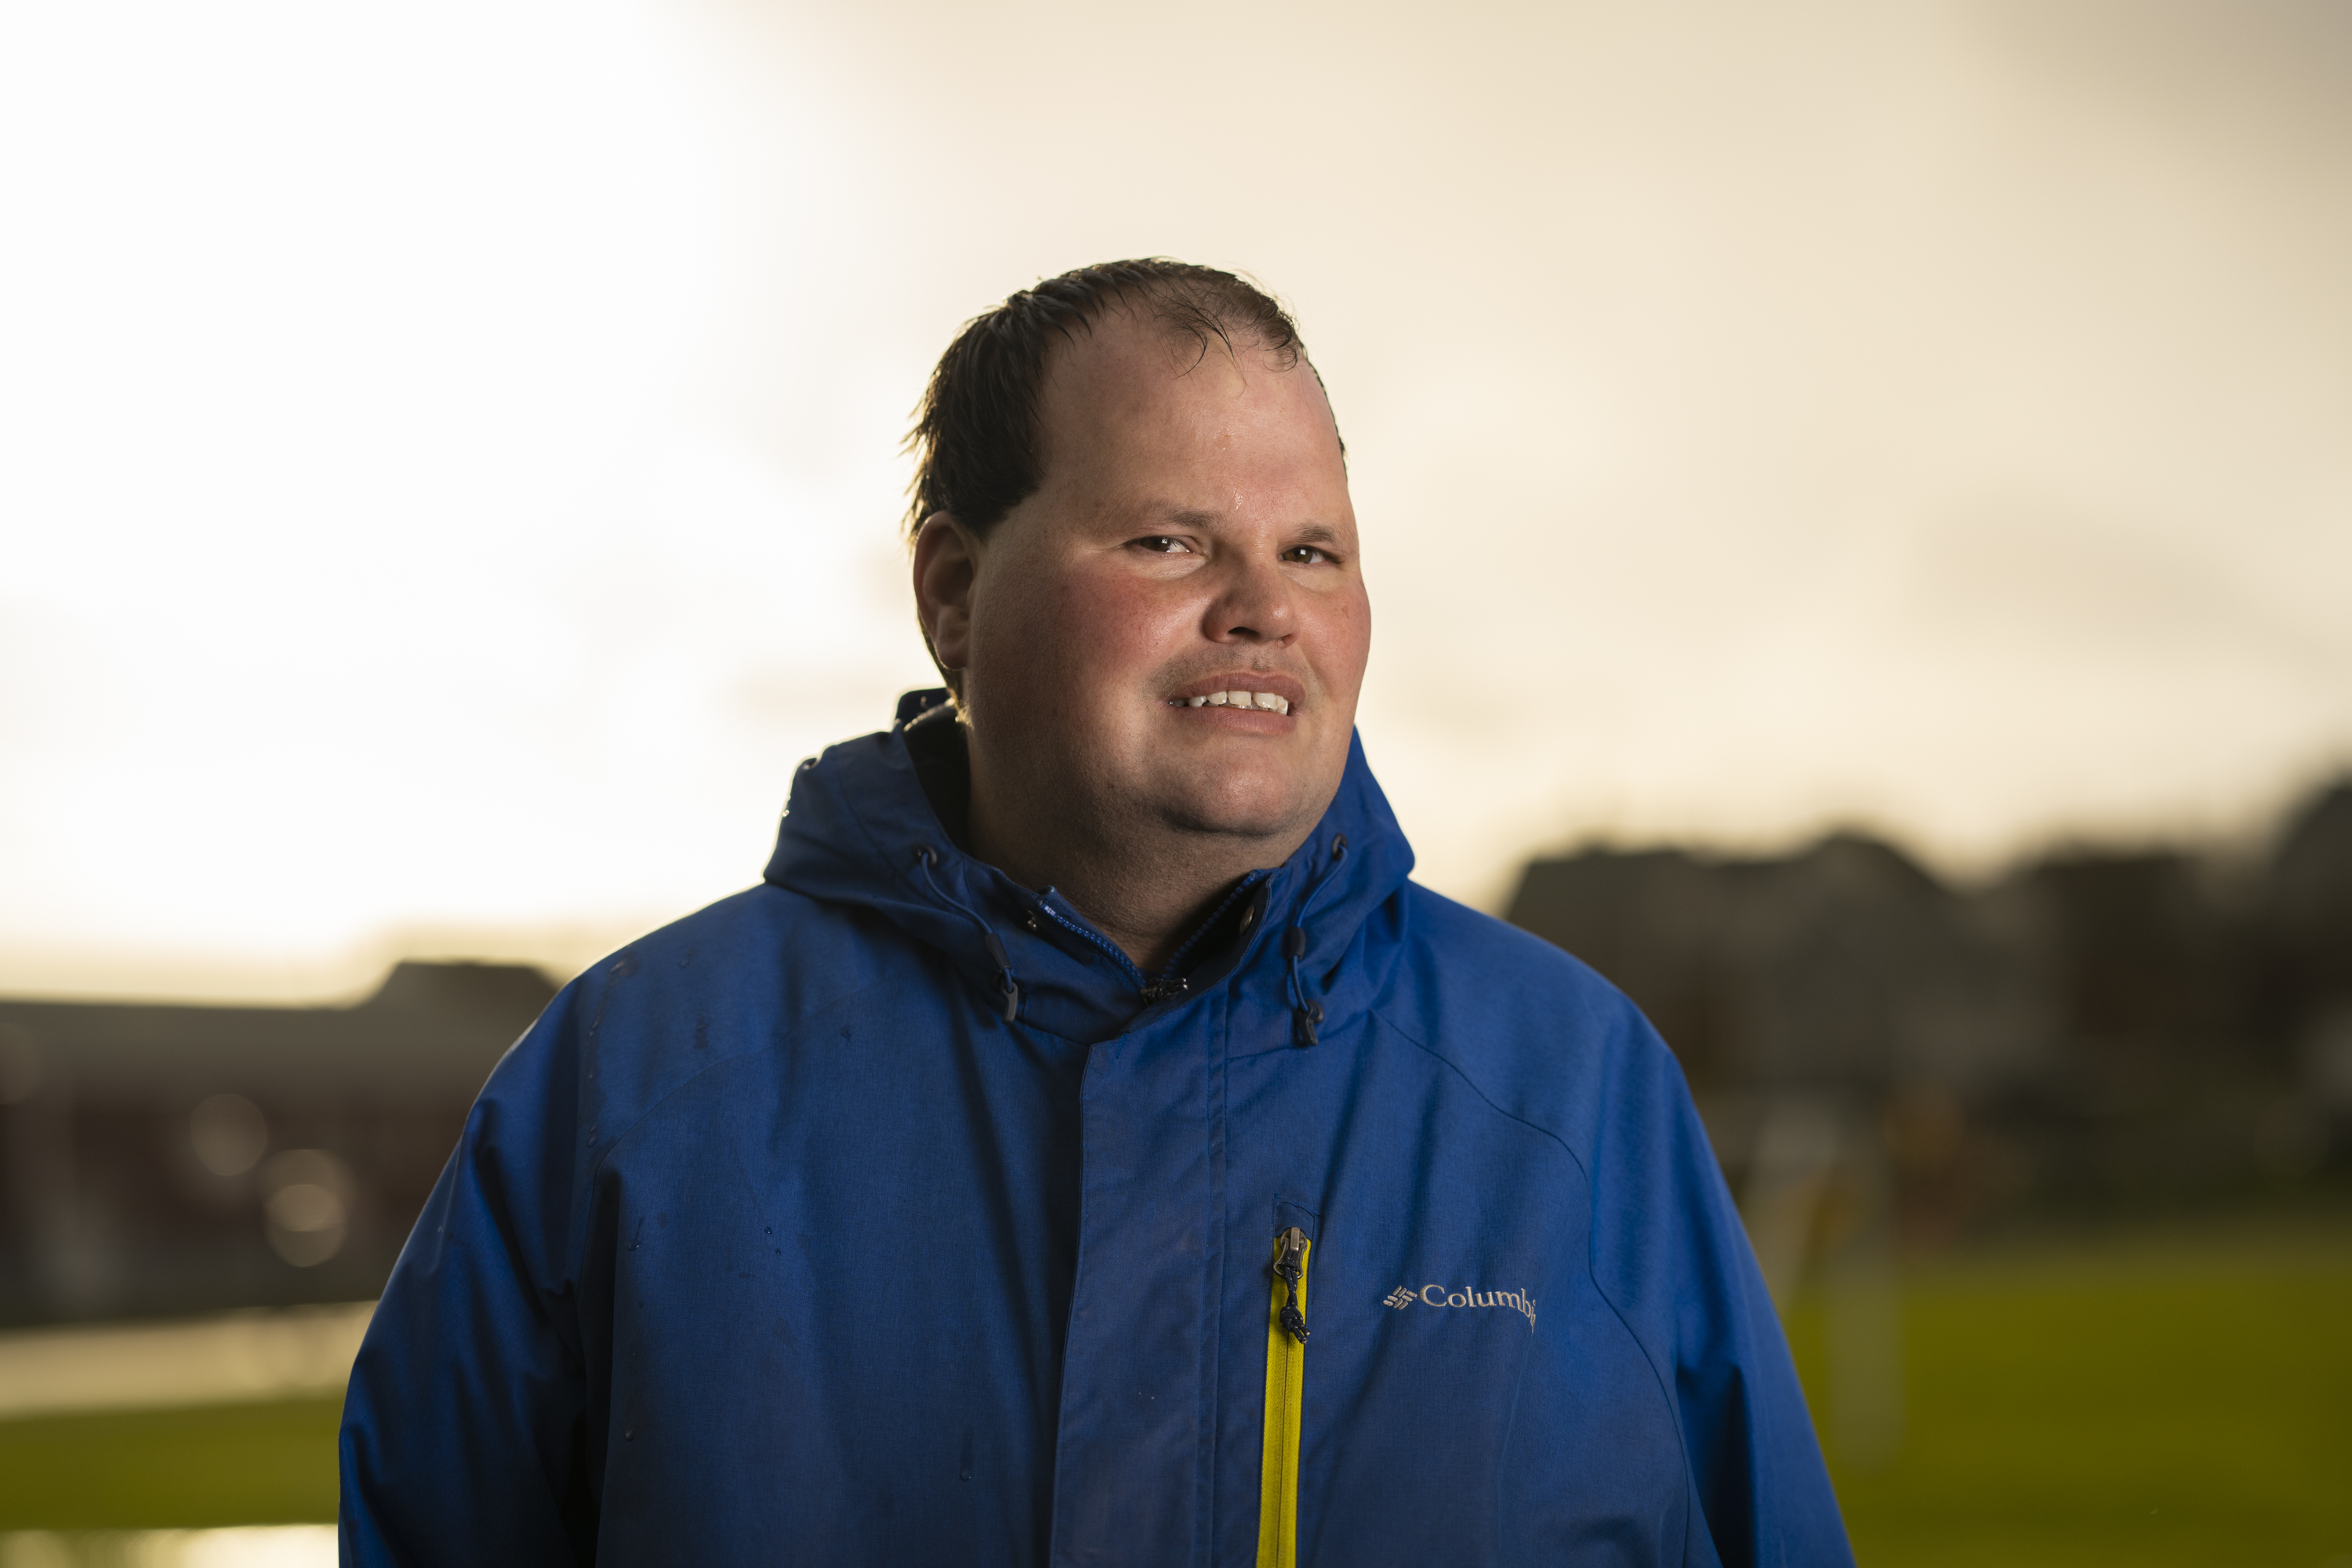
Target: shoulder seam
{"x": 1456, "y": 1068}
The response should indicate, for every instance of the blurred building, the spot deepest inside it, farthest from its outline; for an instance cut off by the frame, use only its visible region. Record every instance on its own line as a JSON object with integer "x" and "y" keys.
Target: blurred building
{"x": 2305, "y": 993}
{"x": 164, "y": 1160}
{"x": 2094, "y": 1030}
{"x": 1877, "y": 1053}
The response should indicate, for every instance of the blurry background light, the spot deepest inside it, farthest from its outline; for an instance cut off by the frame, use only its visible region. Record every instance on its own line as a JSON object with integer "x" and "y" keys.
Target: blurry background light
{"x": 306, "y": 1205}
{"x": 249, "y": 1546}
{"x": 228, "y": 1134}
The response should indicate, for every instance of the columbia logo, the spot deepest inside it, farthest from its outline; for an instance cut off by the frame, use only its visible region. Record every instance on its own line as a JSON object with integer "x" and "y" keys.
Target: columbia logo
{"x": 1433, "y": 1295}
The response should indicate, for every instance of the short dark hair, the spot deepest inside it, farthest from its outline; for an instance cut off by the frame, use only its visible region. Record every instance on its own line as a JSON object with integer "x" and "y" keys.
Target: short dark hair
{"x": 975, "y": 436}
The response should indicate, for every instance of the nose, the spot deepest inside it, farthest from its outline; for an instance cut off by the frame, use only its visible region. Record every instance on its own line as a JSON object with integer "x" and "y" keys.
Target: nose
{"x": 1253, "y": 606}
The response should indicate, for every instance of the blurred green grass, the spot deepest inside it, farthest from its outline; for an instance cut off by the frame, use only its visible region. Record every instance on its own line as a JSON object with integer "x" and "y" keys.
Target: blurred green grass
{"x": 2147, "y": 1403}
{"x": 234, "y": 1464}
{"x": 2181, "y": 1400}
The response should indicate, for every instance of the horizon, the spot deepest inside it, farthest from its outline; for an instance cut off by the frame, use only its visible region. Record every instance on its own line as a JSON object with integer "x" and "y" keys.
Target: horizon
{"x": 353, "y": 976}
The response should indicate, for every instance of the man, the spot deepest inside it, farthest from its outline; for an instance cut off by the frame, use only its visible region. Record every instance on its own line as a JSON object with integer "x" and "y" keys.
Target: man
{"x": 1086, "y": 1146}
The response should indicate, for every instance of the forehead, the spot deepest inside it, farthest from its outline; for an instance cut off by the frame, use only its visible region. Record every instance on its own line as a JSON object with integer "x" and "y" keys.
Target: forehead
{"x": 1132, "y": 400}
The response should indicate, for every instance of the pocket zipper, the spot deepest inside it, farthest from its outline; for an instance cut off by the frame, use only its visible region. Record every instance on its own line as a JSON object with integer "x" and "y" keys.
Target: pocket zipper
{"x": 1286, "y": 1384}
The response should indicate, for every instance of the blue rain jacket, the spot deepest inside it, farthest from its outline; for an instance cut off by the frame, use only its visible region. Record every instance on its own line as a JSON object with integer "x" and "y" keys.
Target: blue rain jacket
{"x": 885, "y": 1213}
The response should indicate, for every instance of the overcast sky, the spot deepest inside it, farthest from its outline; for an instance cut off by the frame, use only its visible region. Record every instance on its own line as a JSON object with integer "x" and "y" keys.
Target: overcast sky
{"x": 448, "y": 452}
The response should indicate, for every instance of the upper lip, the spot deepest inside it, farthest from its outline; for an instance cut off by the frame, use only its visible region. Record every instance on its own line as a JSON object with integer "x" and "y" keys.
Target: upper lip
{"x": 1282, "y": 686}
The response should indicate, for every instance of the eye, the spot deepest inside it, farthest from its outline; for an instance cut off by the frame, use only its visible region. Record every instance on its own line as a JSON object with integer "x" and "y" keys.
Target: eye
{"x": 1161, "y": 545}
{"x": 1306, "y": 555}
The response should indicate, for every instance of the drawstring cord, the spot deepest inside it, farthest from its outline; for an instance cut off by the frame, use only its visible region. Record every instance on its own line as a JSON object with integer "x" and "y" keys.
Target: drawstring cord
{"x": 1306, "y": 1011}
{"x": 926, "y": 858}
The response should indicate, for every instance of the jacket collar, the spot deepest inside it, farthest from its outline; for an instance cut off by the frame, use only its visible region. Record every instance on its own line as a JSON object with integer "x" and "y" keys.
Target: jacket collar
{"x": 861, "y": 829}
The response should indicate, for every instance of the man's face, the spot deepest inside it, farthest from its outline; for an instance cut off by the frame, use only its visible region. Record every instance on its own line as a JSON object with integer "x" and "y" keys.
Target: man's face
{"x": 1192, "y": 536}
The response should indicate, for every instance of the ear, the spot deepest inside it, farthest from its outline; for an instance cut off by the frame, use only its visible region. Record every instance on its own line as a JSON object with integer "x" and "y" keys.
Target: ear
{"x": 947, "y": 564}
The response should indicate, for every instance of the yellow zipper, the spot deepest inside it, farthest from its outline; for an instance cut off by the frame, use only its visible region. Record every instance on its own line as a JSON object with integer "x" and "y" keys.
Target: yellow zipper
{"x": 1285, "y": 1386}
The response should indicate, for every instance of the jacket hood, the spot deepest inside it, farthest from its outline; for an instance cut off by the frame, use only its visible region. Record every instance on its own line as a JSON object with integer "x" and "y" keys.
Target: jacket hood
{"x": 860, "y": 830}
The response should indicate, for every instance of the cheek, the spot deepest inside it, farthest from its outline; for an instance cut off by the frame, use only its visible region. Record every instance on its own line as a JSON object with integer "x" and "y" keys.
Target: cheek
{"x": 1344, "y": 636}
{"x": 1111, "y": 630}
{"x": 1056, "y": 635}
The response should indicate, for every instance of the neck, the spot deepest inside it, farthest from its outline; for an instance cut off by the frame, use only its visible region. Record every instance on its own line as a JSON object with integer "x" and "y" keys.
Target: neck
{"x": 1145, "y": 884}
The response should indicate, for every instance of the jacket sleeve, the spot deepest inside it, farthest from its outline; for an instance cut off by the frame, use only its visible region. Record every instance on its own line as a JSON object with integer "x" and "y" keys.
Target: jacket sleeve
{"x": 465, "y": 1437}
{"x": 1670, "y": 1251}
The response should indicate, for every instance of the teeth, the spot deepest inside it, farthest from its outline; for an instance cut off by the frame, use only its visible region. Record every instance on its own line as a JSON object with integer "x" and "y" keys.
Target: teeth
{"x": 1262, "y": 701}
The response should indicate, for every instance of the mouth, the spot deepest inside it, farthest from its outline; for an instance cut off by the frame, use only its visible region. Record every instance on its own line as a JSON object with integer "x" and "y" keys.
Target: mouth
{"x": 1244, "y": 691}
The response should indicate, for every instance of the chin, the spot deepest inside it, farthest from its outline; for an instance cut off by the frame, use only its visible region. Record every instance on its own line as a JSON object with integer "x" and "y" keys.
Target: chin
{"x": 1247, "y": 803}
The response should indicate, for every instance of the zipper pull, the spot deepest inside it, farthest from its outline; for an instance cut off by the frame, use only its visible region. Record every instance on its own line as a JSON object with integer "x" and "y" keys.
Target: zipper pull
{"x": 1164, "y": 989}
{"x": 1290, "y": 1268}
